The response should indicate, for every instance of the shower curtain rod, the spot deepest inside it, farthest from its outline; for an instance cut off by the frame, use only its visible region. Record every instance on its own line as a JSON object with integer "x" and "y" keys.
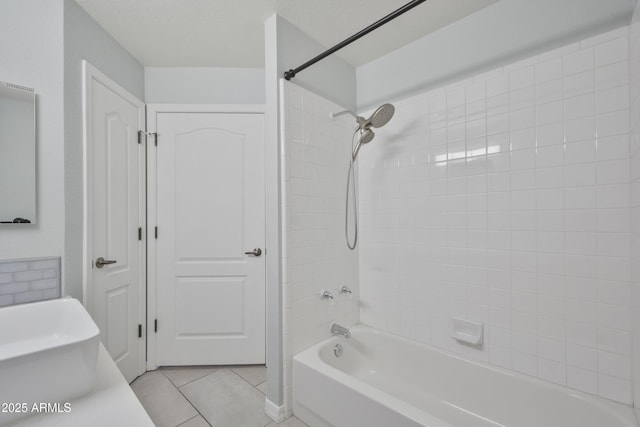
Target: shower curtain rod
{"x": 292, "y": 73}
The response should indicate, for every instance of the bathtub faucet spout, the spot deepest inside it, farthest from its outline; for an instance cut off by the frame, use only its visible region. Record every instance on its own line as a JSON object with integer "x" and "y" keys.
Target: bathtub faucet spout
{"x": 340, "y": 330}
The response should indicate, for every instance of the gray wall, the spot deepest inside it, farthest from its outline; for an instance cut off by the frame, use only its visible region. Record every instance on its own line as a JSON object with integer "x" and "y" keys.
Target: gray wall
{"x": 634, "y": 166}
{"x": 501, "y": 33}
{"x": 31, "y": 55}
{"x": 204, "y": 85}
{"x": 287, "y": 47}
{"x": 85, "y": 39}
{"x": 331, "y": 78}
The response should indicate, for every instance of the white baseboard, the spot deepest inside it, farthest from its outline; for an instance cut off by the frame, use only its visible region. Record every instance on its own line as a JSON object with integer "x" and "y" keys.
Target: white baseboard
{"x": 275, "y": 412}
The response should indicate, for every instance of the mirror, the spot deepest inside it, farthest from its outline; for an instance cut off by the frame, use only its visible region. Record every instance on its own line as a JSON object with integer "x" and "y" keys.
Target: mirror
{"x": 17, "y": 154}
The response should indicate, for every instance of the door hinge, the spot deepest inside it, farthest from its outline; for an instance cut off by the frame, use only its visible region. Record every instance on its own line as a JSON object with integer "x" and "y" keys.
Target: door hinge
{"x": 139, "y": 233}
{"x": 155, "y": 137}
{"x": 155, "y": 325}
{"x": 156, "y": 232}
{"x": 142, "y": 133}
{"x": 139, "y": 331}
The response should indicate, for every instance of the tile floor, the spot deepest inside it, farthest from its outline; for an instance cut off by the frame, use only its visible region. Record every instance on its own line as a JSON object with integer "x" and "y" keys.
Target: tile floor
{"x": 207, "y": 396}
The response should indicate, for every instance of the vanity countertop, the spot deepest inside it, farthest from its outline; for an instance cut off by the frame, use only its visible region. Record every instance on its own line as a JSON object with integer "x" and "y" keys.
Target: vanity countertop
{"x": 111, "y": 403}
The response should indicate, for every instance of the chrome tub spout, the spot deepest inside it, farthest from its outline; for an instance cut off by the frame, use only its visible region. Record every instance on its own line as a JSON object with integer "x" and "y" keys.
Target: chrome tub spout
{"x": 340, "y": 330}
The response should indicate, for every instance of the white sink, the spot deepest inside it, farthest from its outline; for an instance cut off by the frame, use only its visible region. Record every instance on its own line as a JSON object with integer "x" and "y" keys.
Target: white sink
{"x": 48, "y": 354}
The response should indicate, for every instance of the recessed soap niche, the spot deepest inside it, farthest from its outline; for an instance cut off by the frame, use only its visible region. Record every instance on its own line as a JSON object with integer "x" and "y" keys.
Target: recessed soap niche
{"x": 467, "y": 331}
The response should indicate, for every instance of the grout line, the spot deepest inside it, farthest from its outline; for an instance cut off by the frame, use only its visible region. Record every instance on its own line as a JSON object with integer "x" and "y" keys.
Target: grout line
{"x": 194, "y": 407}
{"x": 263, "y": 382}
{"x": 179, "y": 391}
{"x": 195, "y": 416}
{"x": 190, "y": 403}
{"x": 243, "y": 379}
{"x": 217, "y": 369}
{"x": 189, "y": 382}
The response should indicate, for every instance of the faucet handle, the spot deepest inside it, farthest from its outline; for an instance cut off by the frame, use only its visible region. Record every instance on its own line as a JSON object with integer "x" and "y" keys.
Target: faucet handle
{"x": 327, "y": 295}
{"x": 345, "y": 290}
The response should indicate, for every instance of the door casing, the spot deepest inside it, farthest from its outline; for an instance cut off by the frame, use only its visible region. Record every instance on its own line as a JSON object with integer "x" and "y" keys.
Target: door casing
{"x": 91, "y": 73}
{"x": 152, "y": 111}
{"x": 148, "y": 291}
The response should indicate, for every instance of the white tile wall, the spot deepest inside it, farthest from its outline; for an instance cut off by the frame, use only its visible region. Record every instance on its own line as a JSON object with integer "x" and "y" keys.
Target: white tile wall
{"x": 634, "y": 216}
{"x": 505, "y": 199}
{"x": 29, "y": 280}
{"x": 315, "y": 257}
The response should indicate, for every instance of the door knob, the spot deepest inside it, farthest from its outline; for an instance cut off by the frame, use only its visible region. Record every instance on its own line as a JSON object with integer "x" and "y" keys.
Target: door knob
{"x": 255, "y": 252}
{"x": 101, "y": 262}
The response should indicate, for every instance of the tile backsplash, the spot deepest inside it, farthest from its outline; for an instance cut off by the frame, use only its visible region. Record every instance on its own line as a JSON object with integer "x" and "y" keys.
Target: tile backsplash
{"x": 504, "y": 198}
{"x": 29, "y": 280}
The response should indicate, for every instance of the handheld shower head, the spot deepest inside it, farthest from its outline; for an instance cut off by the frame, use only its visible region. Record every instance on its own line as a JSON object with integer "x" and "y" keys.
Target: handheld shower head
{"x": 366, "y": 136}
{"x": 379, "y": 118}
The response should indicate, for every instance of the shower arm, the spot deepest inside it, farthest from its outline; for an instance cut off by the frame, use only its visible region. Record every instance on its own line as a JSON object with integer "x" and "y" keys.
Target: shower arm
{"x": 362, "y": 123}
{"x": 342, "y": 113}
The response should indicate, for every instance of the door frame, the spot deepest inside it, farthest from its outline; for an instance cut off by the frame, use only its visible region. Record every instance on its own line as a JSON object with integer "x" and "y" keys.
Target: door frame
{"x": 90, "y": 73}
{"x": 152, "y": 111}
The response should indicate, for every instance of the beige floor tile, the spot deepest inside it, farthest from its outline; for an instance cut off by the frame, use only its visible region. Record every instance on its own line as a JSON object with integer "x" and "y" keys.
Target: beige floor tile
{"x": 253, "y": 374}
{"x": 224, "y": 399}
{"x": 196, "y": 422}
{"x": 181, "y": 375}
{"x": 162, "y": 401}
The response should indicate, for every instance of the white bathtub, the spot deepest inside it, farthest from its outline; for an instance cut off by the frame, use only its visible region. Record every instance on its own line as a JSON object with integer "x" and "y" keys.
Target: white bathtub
{"x": 387, "y": 381}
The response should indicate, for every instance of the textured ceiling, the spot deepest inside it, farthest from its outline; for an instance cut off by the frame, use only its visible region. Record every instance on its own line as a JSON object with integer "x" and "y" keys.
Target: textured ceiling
{"x": 230, "y": 33}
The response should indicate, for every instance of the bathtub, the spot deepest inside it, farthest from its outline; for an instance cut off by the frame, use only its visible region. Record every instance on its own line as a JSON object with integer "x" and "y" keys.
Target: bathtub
{"x": 388, "y": 381}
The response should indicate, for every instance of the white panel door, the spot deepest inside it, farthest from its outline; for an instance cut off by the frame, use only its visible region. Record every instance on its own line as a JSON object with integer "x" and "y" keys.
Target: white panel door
{"x": 210, "y": 212}
{"x": 114, "y": 212}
